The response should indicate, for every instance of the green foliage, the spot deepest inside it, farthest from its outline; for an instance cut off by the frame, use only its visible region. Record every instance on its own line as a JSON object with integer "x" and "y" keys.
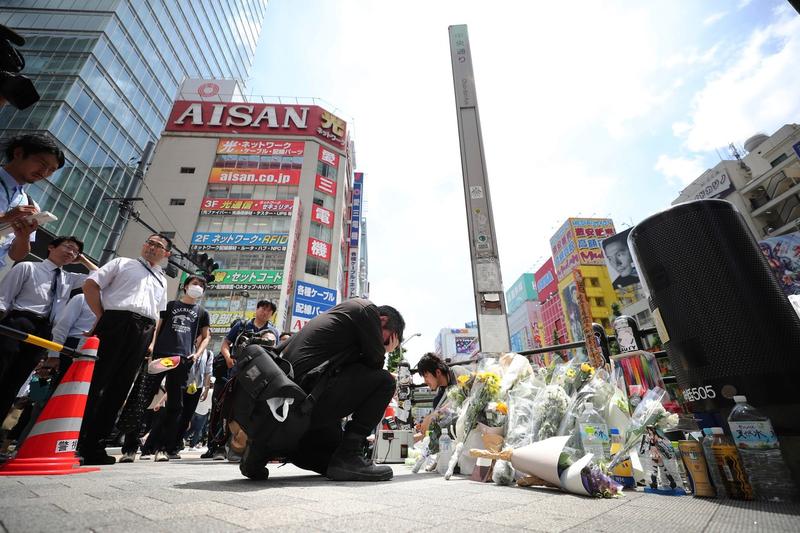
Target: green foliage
{"x": 615, "y": 309}
{"x": 394, "y": 359}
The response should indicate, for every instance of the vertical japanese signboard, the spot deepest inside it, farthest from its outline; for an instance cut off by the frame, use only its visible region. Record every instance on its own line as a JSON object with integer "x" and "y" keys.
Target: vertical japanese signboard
{"x": 355, "y": 234}
{"x": 309, "y": 301}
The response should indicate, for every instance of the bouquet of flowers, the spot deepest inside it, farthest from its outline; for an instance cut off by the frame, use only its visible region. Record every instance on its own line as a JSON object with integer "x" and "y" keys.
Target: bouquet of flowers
{"x": 649, "y": 412}
{"x": 548, "y": 411}
{"x": 485, "y": 389}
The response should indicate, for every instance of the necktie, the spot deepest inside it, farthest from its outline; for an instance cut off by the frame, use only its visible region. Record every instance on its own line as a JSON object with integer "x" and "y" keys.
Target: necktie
{"x": 54, "y": 292}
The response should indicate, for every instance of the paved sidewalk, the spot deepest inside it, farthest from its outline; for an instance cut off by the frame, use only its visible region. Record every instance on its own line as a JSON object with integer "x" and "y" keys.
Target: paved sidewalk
{"x": 196, "y": 495}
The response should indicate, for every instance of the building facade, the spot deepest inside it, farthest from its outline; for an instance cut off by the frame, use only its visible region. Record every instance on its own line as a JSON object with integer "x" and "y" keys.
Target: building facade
{"x": 554, "y": 330}
{"x": 524, "y": 314}
{"x": 107, "y": 72}
{"x": 267, "y": 191}
{"x": 577, "y": 246}
{"x": 457, "y": 344}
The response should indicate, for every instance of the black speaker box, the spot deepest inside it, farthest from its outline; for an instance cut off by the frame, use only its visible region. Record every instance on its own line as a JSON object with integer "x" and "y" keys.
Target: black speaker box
{"x": 723, "y": 319}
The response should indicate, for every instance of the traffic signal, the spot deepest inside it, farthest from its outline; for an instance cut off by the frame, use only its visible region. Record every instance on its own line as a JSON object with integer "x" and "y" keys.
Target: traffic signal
{"x": 205, "y": 264}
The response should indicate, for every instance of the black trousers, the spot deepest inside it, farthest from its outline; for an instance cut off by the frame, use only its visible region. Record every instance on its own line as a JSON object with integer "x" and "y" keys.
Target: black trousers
{"x": 190, "y": 402}
{"x": 355, "y": 390}
{"x": 18, "y": 359}
{"x": 162, "y": 436}
{"x": 124, "y": 338}
{"x": 216, "y": 430}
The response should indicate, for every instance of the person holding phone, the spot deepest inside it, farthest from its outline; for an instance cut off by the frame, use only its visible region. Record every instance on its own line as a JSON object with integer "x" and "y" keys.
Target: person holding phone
{"x": 29, "y": 158}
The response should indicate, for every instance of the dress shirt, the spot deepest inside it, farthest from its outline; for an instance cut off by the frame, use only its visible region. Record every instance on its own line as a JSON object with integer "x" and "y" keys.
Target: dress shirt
{"x": 75, "y": 319}
{"x": 127, "y": 285}
{"x": 11, "y": 195}
{"x": 26, "y": 287}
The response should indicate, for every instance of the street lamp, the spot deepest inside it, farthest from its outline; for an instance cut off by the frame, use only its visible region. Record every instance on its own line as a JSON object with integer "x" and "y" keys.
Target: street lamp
{"x": 411, "y": 337}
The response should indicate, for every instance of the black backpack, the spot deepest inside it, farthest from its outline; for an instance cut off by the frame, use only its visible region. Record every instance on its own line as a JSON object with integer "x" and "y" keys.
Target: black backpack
{"x": 263, "y": 375}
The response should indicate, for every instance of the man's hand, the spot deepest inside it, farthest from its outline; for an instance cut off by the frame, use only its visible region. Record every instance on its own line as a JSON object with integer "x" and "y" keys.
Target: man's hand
{"x": 192, "y": 357}
{"x": 16, "y": 213}
{"x": 394, "y": 342}
{"x": 51, "y": 363}
{"x": 22, "y": 229}
{"x": 204, "y": 395}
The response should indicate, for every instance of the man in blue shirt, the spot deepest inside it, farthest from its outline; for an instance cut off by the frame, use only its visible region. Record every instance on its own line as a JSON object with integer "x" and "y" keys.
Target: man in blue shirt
{"x": 30, "y": 158}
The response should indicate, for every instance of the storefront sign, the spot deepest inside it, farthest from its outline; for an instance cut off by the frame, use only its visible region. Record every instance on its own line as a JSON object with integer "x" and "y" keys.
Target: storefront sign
{"x": 325, "y": 185}
{"x": 260, "y": 147}
{"x": 268, "y": 119}
{"x": 577, "y": 242}
{"x": 220, "y": 321}
{"x": 310, "y": 301}
{"x": 218, "y": 206}
{"x": 352, "y": 273}
{"x": 328, "y": 157}
{"x": 247, "y": 279}
{"x": 355, "y": 209}
{"x": 255, "y": 177}
{"x": 321, "y": 215}
{"x": 240, "y": 241}
{"x": 319, "y": 249}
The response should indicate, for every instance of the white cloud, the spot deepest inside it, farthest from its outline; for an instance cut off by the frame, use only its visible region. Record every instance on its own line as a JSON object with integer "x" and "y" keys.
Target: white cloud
{"x": 757, "y": 91}
{"x": 711, "y": 19}
{"x": 693, "y": 57}
{"x": 743, "y": 4}
{"x": 680, "y": 170}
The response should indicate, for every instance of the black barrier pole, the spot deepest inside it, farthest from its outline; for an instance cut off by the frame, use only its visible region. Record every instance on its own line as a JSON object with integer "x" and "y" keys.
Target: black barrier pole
{"x": 37, "y": 341}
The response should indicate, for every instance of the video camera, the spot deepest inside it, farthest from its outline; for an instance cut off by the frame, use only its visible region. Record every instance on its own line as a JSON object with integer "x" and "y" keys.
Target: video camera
{"x": 16, "y": 89}
{"x": 249, "y": 338}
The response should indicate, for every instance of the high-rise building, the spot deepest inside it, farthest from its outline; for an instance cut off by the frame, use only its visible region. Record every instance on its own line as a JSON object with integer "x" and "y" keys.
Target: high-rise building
{"x": 107, "y": 72}
{"x": 524, "y": 314}
{"x": 576, "y": 246}
{"x": 266, "y": 190}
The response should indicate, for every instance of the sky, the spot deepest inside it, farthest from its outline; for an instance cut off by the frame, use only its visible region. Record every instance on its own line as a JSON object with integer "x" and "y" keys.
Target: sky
{"x": 591, "y": 108}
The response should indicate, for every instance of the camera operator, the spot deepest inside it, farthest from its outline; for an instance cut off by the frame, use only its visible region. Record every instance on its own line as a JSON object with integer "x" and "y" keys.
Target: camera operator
{"x": 30, "y": 158}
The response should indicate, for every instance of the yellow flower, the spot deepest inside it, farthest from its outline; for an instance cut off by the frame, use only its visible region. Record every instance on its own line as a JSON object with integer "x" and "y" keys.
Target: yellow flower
{"x": 462, "y": 380}
{"x": 502, "y": 408}
{"x": 586, "y": 368}
{"x": 570, "y": 373}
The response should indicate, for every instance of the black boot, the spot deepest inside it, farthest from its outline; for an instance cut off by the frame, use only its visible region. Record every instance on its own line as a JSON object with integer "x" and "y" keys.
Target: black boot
{"x": 252, "y": 466}
{"x": 653, "y": 482}
{"x": 349, "y": 464}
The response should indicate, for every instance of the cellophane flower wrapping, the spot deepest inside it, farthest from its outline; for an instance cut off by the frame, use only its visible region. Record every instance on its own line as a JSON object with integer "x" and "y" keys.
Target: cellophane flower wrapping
{"x": 549, "y": 409}
{"x": 649, "y": 412}
{"x": 596, "y": 389}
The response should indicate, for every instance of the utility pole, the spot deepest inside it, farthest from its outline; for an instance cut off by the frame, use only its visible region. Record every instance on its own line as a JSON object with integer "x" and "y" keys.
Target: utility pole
{"x": 487, "y": 282}
{"x": 126, "y": 206}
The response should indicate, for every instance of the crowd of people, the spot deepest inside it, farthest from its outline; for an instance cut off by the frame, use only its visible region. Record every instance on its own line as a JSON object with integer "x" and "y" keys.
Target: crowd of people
{"x": 156, "y": 384}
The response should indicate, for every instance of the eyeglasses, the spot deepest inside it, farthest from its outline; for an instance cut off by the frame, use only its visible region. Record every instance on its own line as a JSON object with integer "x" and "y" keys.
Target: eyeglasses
{"x": 70, "y": 249}
{"x": 155, "y": 244}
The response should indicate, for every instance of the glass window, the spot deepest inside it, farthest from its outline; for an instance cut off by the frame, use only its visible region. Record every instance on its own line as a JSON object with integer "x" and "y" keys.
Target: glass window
{"x": 317, "y": 267}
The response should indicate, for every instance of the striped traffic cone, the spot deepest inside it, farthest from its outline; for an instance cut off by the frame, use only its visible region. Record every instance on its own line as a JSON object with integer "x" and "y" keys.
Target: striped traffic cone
{"x": 50, "y": 447}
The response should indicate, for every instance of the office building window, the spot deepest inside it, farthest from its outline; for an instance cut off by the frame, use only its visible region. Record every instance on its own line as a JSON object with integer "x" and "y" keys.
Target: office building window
{"x": 187, "y": 170}
{"x": 778, "y": 160}
{"x": 317, "y": 267}
{"x": 177, "y": 201}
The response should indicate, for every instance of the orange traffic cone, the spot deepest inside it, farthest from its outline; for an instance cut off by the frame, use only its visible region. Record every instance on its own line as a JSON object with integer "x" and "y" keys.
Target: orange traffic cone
{"x": 50, "y": 447}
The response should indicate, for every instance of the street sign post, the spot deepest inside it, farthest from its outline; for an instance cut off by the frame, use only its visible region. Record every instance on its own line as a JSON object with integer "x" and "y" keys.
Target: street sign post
{"x": 487, "y": 281}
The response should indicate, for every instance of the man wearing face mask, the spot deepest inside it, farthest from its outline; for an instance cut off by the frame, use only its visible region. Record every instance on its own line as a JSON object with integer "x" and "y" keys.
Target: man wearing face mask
{"x": 183, "y": 330}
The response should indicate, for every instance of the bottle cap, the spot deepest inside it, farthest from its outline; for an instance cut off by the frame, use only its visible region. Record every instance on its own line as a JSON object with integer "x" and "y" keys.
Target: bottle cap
{"x": 717, "y": 431}
{"x": 614, "y": 431}
{"x": 740, "y": 399}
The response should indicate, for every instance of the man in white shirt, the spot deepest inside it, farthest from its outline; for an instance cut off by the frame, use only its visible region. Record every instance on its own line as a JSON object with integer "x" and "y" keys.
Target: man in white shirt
{"x": 70, "y": 329}
{"x": 31, "y": 158}
{"x": 127, "y": 296}
{"x": 32, "y": 295}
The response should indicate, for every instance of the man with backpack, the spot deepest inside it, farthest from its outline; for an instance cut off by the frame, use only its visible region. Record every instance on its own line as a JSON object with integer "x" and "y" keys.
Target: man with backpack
{"x": 345, "y": 347}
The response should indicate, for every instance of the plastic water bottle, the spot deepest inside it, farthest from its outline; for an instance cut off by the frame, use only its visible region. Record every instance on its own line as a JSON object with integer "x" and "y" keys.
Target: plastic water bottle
{"x": 445, "y": 452}
{"x": 445, "y": 442}
{"x": 595, "y": 437}
{"x": 761, "y": 453}
{"x": 711, "y": 461}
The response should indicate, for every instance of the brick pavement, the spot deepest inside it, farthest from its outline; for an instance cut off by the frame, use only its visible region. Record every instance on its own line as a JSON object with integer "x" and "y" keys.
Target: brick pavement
{"x": 199, "y": 495}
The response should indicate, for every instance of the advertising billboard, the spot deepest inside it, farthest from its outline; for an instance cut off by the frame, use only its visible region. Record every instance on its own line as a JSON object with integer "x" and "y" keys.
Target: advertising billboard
{"x": 325, "y": 185}
{"x": 240, "y": 241}
{"x": 577, "y": 242}
{"x": 319, "y": 249}
{"x": 309, "y": 301}
{"x": 328, "y": 157}
{"x": 240, "y": 176}
{"x": 523, "y": 290}
{"x": 355, "y": 209}
{"x": 246, "y": 279}
{"x": 572, "y": 311}
{"x": 783, "y": 256}
{"x": 220, "y": 206}
{"x": 619, "y": 261}
{"x": 546, "y": 281}
{"x": 320, "y": 215}
{"x": 259, "y": 119}
{"x": 260, "y": 147}
{"x": 220, "y": 321}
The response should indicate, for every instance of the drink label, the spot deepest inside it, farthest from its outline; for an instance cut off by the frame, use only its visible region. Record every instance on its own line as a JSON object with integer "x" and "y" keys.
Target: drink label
{"x": 754, "y": 435}
{"x": 595, "y": 434}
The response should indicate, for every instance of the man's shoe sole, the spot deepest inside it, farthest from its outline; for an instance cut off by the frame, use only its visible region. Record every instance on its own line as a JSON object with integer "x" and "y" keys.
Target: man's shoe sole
{"x": 336, "y": 473}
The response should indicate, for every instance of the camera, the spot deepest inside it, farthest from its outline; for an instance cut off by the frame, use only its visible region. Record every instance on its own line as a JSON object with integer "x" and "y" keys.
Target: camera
{"x": 249, "y": 338}
{"x": 16, "y": 89}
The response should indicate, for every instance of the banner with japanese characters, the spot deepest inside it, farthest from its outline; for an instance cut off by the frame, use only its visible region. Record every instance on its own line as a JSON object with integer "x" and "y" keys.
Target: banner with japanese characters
{"x": 240, "y": 241}
{"x": 355, "y": 208}
{"x": 319, "y": 249}
{"x": 310, "y": 301}
{"x": 320, "y": 215}
{"x": 260, "y": 147}
{"x": 220, "y": 321}
{"x": 247, "y": 279}
{"x": 329, "y": 157}
{"x": 221, "y": 206}
{"x": 323, "y": 184}
{"x": 240, "y": 176}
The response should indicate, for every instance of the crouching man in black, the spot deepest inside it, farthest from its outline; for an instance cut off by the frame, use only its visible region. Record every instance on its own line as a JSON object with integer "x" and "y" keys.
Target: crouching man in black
{"x": 355, "y": 335}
